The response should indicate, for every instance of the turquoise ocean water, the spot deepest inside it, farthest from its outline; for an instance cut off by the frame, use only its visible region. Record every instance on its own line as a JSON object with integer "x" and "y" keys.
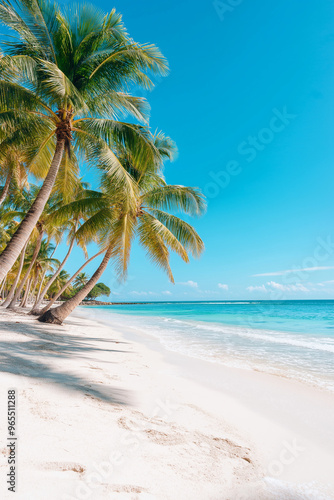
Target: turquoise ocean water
{"x": 294, "y": 339}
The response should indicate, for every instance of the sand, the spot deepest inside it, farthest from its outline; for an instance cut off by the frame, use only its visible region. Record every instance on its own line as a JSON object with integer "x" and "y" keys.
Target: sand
{"x": 104, "y": 414}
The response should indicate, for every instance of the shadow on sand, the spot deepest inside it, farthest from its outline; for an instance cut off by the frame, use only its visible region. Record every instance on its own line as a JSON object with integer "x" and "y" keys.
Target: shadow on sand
{"x": 52, "y": 342}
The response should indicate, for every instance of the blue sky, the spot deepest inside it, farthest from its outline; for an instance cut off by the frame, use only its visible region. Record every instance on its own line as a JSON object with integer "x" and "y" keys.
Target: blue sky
{"x": 249, "y": 102}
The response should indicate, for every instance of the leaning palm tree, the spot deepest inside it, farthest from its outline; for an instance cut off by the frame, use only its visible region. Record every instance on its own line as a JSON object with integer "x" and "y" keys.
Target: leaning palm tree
{"x": 69, "y": 281}
{"x": 46, "y": 263}
{"x": 68, "y": 223}
{"x": 117, "y": 224}
{"x": 11, "y": 297}
{"x": 11, "y": 300}
{"x": 43, "y": 226}
{"x": 73, "y": 72}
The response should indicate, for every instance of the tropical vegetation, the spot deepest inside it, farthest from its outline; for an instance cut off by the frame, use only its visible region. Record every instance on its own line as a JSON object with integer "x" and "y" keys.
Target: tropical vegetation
{"x": 68, "y": 83}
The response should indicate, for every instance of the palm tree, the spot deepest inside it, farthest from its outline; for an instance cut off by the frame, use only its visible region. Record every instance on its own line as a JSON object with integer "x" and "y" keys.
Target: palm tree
{"x": 81, "y": 280}
{"x": 67, "y": 284}
{"x": 59, "y": 282}
{"x": 44, "y": 225}
{"x": 71, "y": 224}
{"x": 117, "y": 225}
{"x": 26, "y": 293}
{"x": 10, "y": 302}
{"x": 12, "y": 293}
{"x": 45, "y": 263}
{"x": 74, "y": 69}
{"x": 58, "y": 271}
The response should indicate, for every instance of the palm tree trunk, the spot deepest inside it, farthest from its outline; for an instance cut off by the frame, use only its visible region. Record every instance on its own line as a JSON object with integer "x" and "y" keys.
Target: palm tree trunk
{"x": 34, "y": 285}
{"x": 5, "y": 188}
{"x": 58, "y": 314}
{"x": 2, "y": 288}
{"x": 42, "y": 278}
{"x": 40, "y": 287}
{"x": 26, "y": 293}
{"x": 24, "y": 280}
{"x": 58, "y": 294}
{"x": 54, "y": 277}
{"x": 22, "y": 234}
{"x": 18, "y": 275}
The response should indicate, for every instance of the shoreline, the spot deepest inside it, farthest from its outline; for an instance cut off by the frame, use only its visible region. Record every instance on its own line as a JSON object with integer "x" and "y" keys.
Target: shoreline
{"x": 175, "y": 432}
{"x": 251, "y": 363}
{"x": 272, "y": 411}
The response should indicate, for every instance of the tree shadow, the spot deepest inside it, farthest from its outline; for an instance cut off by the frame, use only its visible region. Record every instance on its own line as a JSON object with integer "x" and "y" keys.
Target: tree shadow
{"x": 36, "y": 356}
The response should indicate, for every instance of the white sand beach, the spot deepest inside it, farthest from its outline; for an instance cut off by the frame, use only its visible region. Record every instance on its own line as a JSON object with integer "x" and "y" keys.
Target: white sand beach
{"x": 103, "y": 415}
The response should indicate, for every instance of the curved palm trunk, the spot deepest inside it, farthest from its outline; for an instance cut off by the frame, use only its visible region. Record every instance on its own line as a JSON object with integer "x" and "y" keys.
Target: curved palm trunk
{"x": 3, "y": 280}
{"x": 5, "y": 188}
{"x": 62, "y": 290}
{"x": 54, "y": 277}
{"x": 26, "y": 276}
{"x": 34, "y": 285}
{"x": 18, "y": 275}
{"x": 58, "y": 314}
{"x": 15, "y": 245}
{"x": 40, "y": 288}
{"x": 42, "y": 278}
{"x": 26, "y": 293}
{"x": 2, "y": 288}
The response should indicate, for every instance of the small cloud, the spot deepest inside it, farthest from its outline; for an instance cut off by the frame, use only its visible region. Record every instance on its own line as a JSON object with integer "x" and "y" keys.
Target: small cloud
{"x": 137, "y": 293}
{"x": 260, "y": 288}
{"x": 190, "y": 283}
{"x": 276, "y": 286}
{"x": 222, "y": 286}
{"x": 167, "y": 292}
{"x": 297, "y": 270}
{"x": 298, "y": 287}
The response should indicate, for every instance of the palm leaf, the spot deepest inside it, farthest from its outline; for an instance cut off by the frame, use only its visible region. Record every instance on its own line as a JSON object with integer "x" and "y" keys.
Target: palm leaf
{"x": 188, "y": 200}
{"x": 183, "y": 231}
{"x": 154, "y": 244}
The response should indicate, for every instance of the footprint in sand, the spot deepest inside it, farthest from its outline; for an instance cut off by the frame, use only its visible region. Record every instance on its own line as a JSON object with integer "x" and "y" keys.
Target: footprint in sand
{"x": 64, "y": 467}
{"x": 171, "y": 435}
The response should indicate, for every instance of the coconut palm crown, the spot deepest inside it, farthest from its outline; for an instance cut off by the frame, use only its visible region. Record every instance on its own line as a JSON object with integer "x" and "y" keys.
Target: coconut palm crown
{"x": 69, "y": 77}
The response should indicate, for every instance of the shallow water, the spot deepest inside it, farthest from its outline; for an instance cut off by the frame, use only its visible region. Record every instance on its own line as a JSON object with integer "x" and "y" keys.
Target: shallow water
{"x": 293, "y": 339}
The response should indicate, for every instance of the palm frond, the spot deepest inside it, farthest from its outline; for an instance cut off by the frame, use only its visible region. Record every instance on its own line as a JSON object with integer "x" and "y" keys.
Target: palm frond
{"x": 169, "y": 197}
{"x": 183, "y": 231}
{"x": 114, "y": 105}
{"x": 123, "y": 232}
{"x": 98, "y": 153}
{"x": 59, "y": 88}
{"x": 153, "y": 242}
{"x": 148, "y": 223}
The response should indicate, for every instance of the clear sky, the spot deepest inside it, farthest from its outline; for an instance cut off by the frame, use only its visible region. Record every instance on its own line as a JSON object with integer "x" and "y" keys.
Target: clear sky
{"x": 249, "y": 102}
